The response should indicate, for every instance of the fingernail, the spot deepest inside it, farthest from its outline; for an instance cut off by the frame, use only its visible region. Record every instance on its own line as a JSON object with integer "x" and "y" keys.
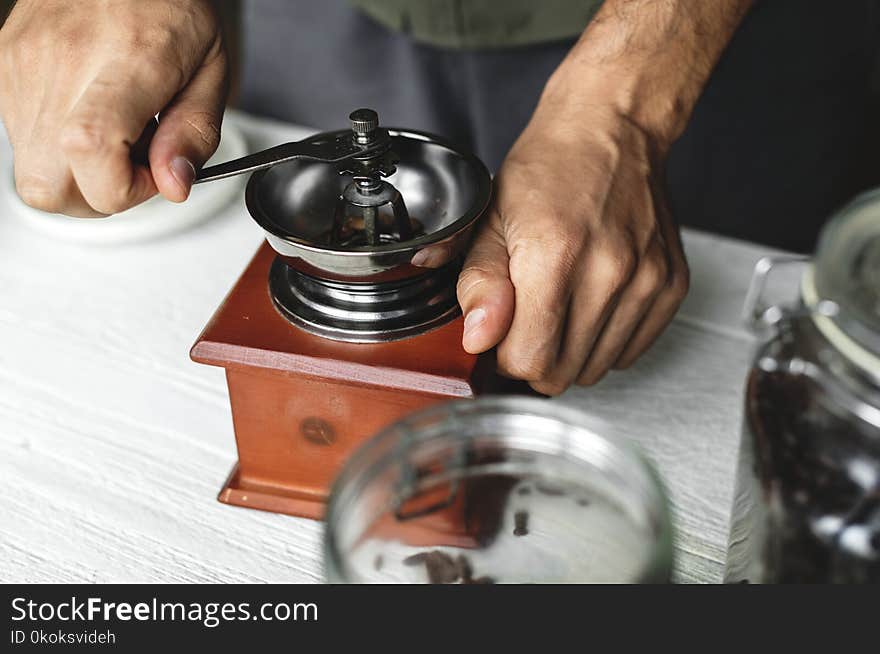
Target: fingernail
{"x": 473, "y": 320}
{"x": 420, "y": 258}
{"x": 184, "y": 172}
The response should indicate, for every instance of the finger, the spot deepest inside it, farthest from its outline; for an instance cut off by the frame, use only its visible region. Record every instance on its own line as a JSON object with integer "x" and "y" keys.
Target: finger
{"x": 542, "y": 261}
{"x": 43, "y": 180}
{"x": 140, "y": 149}
{"x": 189, "y": 130}
{"x": 42, "y": 177}
{"x": 103, "y": 125}
{"x": 635, "y": 302}
{"x": 665, "y": 306}
{"x": 651, "y": 326}
{"x": 53, "y": 192}
{"x": 605, "y": 272}
{"x": 485, "y": 291}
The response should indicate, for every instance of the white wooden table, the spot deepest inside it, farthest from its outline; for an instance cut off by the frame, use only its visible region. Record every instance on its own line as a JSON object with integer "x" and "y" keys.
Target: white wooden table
{"x": 113, "y": 444}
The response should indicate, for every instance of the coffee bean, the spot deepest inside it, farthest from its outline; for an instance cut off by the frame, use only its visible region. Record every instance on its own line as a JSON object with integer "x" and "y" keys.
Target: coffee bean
{"x": 547, "y": 489}
{"x": 415, "y": 559}
{"x": 483, "y": 580}
{"x": 520, "y": 521}
{"x": 465, "y": 570}
{"x": 442, "y": 568}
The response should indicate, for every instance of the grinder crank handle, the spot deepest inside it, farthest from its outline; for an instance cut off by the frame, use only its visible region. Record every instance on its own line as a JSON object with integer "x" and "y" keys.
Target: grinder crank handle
{"x": 322, "y": 150}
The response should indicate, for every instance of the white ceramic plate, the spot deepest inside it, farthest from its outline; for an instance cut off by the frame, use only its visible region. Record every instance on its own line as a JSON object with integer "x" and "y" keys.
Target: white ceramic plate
{"x": 154, "y": 218}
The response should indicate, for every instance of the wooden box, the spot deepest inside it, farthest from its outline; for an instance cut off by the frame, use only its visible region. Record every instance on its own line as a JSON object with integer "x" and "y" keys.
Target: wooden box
{"x": 301, "y": 403}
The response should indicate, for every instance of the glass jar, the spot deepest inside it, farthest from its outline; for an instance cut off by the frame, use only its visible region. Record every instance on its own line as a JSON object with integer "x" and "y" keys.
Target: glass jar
{"x": 497, "y": 490}
{"x": 807, "y": 504}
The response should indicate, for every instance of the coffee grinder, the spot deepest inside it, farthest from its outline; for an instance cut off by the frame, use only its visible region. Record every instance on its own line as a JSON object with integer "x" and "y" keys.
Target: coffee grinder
{"x": 346, "y": 318}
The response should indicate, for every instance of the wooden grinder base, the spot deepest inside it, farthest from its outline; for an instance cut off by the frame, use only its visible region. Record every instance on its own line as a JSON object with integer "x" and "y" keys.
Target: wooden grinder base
{"x": 301, "y": 403}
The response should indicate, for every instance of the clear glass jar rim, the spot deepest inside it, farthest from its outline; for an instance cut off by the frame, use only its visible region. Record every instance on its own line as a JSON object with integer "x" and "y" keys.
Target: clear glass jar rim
{"x": 841, "y": 268}
{"x": 388, "y": 445}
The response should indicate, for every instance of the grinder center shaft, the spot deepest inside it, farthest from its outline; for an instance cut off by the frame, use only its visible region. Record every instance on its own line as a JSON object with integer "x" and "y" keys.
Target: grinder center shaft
{"x": 358, "y": 219}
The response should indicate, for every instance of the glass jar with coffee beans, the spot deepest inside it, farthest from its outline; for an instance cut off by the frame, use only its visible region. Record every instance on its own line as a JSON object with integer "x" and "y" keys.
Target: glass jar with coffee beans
{"x": 807, "y": 505}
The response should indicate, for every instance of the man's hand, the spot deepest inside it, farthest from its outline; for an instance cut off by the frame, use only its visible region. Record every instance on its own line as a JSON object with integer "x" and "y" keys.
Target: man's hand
{"x": 580, "y": 256}
{"x": 579, "y": 266}
{"x": 80, "y": 84}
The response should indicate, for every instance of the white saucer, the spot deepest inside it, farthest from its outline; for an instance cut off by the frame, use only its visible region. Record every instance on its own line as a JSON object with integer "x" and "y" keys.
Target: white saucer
{"x": 154, "y": 218}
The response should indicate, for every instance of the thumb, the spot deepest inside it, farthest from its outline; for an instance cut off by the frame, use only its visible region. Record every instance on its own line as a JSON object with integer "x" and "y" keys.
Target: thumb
{"x": 189, "y": 130}
{"x": 485, "y": 291}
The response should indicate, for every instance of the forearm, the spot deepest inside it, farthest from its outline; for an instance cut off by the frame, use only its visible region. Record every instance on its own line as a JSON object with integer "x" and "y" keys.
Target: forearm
{"x": 648, "y": 59}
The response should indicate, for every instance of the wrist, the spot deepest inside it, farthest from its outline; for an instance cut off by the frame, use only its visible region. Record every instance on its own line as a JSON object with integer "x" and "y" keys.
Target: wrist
{"x": 630, "y": 93}
{"x": 646, "y": 62}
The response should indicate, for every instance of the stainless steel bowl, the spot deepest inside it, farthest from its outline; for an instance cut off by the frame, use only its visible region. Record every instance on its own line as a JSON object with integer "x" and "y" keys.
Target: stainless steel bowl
{"x": 445, "y": 189}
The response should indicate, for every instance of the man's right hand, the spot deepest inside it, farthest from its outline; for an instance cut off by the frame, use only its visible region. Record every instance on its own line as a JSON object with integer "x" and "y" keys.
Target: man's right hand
{"x": 80, "y": 82}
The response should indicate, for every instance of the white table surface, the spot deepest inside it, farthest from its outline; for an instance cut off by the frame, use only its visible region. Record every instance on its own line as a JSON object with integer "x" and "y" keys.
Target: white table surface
{"x": 113, "y": 444}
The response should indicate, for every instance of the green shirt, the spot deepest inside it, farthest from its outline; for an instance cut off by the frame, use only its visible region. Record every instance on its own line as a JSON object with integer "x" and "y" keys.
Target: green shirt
{"x": 480, "y": 24}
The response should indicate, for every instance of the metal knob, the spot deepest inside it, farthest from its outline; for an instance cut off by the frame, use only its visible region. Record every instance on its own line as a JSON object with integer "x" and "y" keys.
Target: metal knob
{"x": 364, "y": 123}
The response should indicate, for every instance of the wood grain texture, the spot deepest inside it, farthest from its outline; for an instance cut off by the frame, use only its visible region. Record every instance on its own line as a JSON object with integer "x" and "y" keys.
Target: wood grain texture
{"x": 113, "y": 443}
